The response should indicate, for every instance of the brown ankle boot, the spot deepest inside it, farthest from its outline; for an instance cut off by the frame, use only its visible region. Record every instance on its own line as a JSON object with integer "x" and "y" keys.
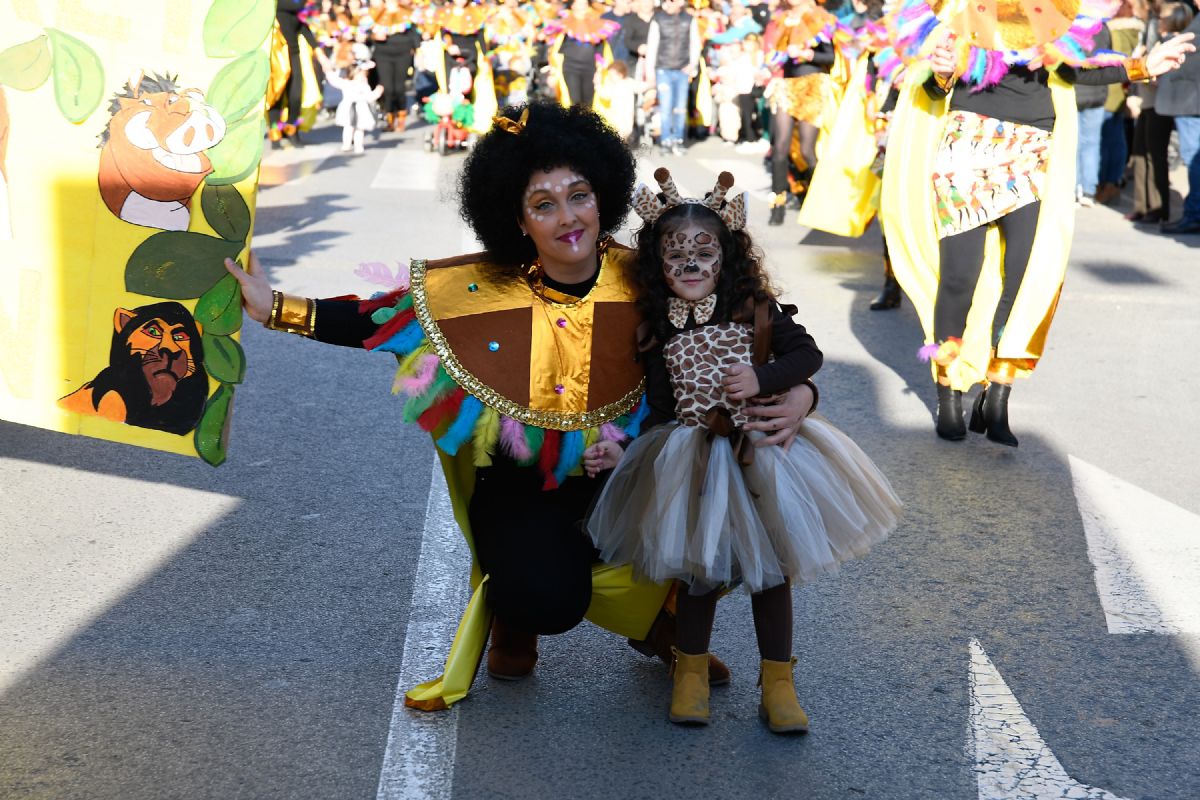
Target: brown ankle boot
{"x": 660, "y": 641}
{"x": 401, "y": 121}
{"x": 780, "y": 707}
{"x": 512, "y": 654}
{"x": 689, "y": 693}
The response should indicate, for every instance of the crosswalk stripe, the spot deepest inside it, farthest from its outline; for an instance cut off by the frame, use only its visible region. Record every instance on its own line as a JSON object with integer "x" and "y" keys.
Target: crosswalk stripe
{"x": 410, "y": 170}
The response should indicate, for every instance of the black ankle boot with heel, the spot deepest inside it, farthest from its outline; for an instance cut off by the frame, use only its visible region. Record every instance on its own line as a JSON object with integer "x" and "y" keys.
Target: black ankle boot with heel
{"x": 950, "y": 414}
{"x": 989, "y": 415}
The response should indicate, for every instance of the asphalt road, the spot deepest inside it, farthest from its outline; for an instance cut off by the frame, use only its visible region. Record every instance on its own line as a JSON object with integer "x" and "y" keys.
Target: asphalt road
{"x": 174, "y": 631}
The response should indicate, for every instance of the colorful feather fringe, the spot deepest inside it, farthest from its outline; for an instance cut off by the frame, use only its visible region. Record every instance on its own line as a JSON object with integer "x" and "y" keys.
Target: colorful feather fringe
{"x": 438, "y": 404}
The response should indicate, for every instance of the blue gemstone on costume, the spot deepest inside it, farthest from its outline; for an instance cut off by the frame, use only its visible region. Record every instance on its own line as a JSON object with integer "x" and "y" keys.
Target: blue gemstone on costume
{"x": 493, "y": 346}
{"x": 472, "y": 287}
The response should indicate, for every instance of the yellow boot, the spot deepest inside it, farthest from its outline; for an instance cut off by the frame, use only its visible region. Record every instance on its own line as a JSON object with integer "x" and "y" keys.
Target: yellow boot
{"x": 689, "y": 697}
{"x": 780, "y": 707}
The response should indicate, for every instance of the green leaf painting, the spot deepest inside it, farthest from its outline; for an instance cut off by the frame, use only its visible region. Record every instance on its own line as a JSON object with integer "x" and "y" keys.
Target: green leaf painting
{"x": 240, "y": 86}
{"x": 219, "y": 310}
{"x": 78, "y": 76}
{"x": 224, "y": 358}
{"x": 226, "y": 211}
{"x": 237, "y": 155}
{"x": 212, "y": 434}
{"x": 178, "y": 265}
{"x": 234, "y": 27}
{"x": 26, "y": 66}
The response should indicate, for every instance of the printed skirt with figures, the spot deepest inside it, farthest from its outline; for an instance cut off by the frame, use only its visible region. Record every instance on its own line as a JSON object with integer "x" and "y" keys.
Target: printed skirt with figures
{"x": 986, "y": 168}
{"x": 682, "y": 504}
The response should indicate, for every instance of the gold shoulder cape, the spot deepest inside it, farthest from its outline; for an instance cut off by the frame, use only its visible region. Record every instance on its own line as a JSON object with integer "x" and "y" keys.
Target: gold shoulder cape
{"x": 475, "y": 399}
{"x": 908, "y": 215}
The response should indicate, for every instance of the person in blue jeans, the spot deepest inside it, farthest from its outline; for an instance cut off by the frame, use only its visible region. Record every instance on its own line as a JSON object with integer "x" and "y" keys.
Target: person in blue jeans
{"x": 673, "y": 58}
{"x": 1179, "y": 97}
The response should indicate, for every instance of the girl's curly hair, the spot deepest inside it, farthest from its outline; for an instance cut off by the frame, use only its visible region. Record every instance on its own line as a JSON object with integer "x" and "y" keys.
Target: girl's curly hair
{"x": 493, "y": 179}
{"x": 742, "y": 276}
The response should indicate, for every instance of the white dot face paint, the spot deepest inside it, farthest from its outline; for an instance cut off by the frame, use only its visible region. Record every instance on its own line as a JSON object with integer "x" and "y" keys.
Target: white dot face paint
{"x": 691, "y": 257}
{"x": 560, "y": 212}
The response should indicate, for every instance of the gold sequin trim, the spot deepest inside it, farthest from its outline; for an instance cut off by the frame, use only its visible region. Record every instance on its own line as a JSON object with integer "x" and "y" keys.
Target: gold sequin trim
{"x": 552, "y": 420}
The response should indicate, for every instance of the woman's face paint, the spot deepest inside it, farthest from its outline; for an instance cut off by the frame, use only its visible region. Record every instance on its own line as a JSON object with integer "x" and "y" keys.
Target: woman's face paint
{"x": 560, "y": 213}
{"x": 691, "y": 261}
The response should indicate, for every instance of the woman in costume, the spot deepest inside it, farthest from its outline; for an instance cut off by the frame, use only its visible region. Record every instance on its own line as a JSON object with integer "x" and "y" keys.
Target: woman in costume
{"x": 394, "y": 40}
{"x": 799, "y": 38}
{"x": 461, "y": 28}
{"x": 578, "y": 48}
{"x": 692, "y": 500}
{"x": 293, "y": 93}
{"x": 976, "y": 151}
{"x": 516, "y": 359}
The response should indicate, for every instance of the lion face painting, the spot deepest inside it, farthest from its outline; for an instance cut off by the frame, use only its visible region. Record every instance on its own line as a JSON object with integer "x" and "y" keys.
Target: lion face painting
{"x": 153, "y": 151}
{"x": 155, "y": 377}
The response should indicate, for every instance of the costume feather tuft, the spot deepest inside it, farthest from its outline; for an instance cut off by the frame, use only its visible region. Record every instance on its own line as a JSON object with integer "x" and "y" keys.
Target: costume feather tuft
{"x": 570, "y": 454}
{"x": 512, "y": 440}
{"x": 405, "y": 341}
{"x": 534, "y": 436}
{"x": 927, "y": 352}
{"x": 634, "y": 426}
{"x": 463, "y": 426}
{"x": 548, "y": 458}
{"x": 610, "y": 432}
{"x": 486, "y": 436}
{"x": 443, "y": 409}
{"x": 442, "y": 385}
{"x": 419, "y": 383}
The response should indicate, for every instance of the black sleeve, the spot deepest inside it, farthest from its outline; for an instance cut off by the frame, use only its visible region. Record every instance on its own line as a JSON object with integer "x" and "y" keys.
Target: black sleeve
{"x": 933, "y": 89}
{"x": 797, "y": 357}
{"x": 1093, "y": 76}
{"x": 660, "y": 397}
{"x": 823, "y": 55}
{"x": 340, "y": 322}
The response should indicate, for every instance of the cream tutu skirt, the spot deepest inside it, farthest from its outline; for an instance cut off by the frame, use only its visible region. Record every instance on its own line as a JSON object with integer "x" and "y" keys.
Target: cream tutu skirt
{"x": 796, "y": 514}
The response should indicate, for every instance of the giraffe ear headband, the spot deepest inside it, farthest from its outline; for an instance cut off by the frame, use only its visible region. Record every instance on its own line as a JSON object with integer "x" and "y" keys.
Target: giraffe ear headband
{"x": 650, "y": 205}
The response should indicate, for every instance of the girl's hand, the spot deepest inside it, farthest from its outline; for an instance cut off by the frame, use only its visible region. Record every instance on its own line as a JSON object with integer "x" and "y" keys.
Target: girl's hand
{"x": 944, "y": 59}
{"x": 780, "y": 420}
{"x": 740, "y": 382}
{"x": 256, "y": 290}
{"x": 601, "y": 456}
{"x": 1169, "y": 54}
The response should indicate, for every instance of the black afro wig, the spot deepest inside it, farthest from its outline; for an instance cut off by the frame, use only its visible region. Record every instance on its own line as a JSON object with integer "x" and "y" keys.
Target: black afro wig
{"x": 496, "y": 173}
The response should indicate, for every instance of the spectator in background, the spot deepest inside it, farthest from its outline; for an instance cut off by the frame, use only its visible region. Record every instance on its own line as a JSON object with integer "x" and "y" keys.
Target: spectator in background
{"x": 1125, "y": 30}
{"x": 618, "y": 13}
{"x": 1151, "y": 130}
{"x": 1090, "y": 102}
{"x": 672, "y": 59}
{"x": 1179, "y": 97}
{"x": 635, "y": 30}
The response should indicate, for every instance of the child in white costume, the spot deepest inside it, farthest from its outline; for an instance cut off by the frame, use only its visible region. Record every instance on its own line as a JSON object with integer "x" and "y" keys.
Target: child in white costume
{"x": 692, "y": 499}
{"x": 356, "y": 111}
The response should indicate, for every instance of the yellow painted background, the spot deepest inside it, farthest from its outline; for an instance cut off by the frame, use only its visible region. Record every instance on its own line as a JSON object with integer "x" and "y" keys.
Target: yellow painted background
{"x": 63, "y": 272}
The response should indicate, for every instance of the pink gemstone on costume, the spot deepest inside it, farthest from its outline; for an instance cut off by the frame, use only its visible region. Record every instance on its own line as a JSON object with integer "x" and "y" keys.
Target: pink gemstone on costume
{"x": 562, "y": 322}
{"x": 559, "y": 388}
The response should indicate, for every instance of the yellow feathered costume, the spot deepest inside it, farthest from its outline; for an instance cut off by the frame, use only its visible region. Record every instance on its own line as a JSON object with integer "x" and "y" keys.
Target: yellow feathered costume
{"x": 909, "y": 222}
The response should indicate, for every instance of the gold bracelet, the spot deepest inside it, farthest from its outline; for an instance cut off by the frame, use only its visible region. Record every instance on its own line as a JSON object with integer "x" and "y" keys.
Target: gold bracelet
{"x": 1135, "y": 68}
{"x": 946, "y": 82}
{"x": 292, "y": 314}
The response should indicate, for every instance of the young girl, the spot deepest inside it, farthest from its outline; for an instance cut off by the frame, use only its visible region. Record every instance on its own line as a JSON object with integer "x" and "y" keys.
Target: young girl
{"x": 355, "y": 113}
{"x": 693, "y": 499}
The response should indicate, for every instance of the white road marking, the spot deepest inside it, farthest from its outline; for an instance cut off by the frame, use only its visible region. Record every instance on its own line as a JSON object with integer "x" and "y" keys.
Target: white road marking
{"x": 418, "y": 763}
{"x": 1012, "y": 761}
{"x": 410, "y": 170}
{"x": 1146, "y": 552}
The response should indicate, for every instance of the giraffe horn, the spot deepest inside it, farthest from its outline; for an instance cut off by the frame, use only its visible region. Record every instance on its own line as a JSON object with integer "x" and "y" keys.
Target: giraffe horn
{"x": 667, "y": 184}
{"x": 734, "y": 213}
{"x": 646, "y": 204}
{"x": 724, "y": 184}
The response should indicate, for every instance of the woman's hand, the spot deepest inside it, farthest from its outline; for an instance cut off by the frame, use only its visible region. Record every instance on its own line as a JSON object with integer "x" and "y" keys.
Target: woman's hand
{"x": 779, "y": 416}
{"x": 256, "y": 290}
{"x": 944, "y": 58}
{"x": 740, "y": 382}
{"x": 601, "y": 456}
{"x": 1169, "y": 54}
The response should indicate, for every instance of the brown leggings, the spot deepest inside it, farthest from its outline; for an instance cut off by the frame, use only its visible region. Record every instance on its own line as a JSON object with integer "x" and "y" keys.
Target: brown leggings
{"x": 772, "y": 621}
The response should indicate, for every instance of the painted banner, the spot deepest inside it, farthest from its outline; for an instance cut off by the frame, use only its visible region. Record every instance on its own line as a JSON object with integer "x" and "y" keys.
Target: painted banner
{"x": 130, "y": 138}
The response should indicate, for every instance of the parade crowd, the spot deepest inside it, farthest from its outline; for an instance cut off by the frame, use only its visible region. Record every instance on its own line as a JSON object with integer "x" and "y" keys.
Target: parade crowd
{"x": 671, "y": 72}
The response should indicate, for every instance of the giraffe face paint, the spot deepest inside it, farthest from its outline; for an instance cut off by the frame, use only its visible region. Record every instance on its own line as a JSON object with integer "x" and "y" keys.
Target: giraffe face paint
{"x": 691, "y": 257}
{"x": 561, "y": 214}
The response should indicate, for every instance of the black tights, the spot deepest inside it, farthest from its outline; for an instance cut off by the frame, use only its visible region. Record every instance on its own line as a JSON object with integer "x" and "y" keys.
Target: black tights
{"x": 581, "y": 87}
{"x": 772, "y": 608}
{"x": 781, "y": 147}
{"x": 962, "y": 261}
{"x": 292, "y": 29}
